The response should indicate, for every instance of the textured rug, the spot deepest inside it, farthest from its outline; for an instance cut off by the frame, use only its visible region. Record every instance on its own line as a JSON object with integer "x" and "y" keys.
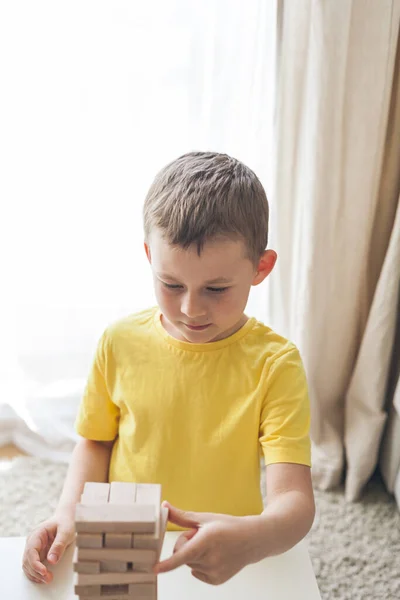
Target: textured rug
{"x": 354, "y": 548}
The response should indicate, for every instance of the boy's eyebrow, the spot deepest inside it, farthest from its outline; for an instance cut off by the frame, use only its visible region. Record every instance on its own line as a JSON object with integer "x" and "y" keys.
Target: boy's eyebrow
{"x": 213, "y": 281}
{"x": 166, "y": 276}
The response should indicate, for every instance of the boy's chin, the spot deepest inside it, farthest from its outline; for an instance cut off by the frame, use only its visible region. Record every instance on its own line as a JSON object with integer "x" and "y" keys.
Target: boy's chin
{"x": 199, "y": 337}
{"x": 211, "y": 334}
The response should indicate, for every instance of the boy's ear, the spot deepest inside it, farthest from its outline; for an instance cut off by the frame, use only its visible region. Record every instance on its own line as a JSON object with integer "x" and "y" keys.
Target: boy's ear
{"x": 147, "y": 250}
{"x": 265, "y": 266}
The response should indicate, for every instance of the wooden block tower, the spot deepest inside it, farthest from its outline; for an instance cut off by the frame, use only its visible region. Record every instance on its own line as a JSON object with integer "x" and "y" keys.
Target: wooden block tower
{"x": 120, "y": 530}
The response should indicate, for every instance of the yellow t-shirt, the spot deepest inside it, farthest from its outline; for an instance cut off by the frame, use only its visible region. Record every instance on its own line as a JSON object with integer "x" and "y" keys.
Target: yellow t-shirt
{"x": 195, "y": 417}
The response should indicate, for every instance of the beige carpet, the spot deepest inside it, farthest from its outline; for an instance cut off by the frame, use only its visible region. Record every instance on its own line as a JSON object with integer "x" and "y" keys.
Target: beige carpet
{"x": 355, "y": 548}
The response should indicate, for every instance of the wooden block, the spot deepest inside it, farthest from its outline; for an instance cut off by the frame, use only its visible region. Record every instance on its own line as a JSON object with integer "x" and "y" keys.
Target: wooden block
{"x": 142, "y": 541}
{"x": 141, "y": 568}
{"x": 110, "y": 596}
{"x": 115, "y": 518}
{"x": 163, "y": 528}
{"x": 116, "y": 554}
{"x": 145, "y": 590}
{"x": 90, "y": 540}
{"x": 88, "y": 567}
{"x": 87, "y": 591}
{"x": 148, "y": 493}
{"x": 95, "y": 493}
{"x": 122, "y": 493}
{"x": 118, "y": 540}
{"x": 152, "y": 541}
{"x": 122, "y": 592}
{"x": 85, "y": 566}
{"x": 107, "y": 590}
{"x": 148, "y": 541}
{"x": 113, "y": 566}
{"x": 114, "y": 578}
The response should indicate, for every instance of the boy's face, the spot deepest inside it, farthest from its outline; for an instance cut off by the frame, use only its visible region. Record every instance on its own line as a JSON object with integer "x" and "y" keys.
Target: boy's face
{"x": 202, "y": 298}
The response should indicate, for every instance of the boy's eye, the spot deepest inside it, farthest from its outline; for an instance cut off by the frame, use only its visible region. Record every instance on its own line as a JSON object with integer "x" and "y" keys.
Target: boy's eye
{"x": 217, "y": 290}
{"x": 177, "y": 286}
{"x": 172, "y": 286}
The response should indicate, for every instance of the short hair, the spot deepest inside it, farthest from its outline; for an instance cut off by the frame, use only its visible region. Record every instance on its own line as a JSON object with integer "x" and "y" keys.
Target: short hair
{"x": 204, "y": 195}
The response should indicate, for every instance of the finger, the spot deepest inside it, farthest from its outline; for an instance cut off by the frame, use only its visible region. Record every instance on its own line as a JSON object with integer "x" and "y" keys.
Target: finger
{"x": 183, "y": 539}
{"x": 183, "y": 518}
{"x": 188, "y": 553}
{"x": 32, "y": 562}
{"x": 200, "y": 575}
{"x": 34, "y": 568}
{"x": 58, "y": 546}
{"x": 39, "y": 568}
{"x": 196, "y": 566}
{"x": 44, "y": 574}
{"x": 31, "y": 575}
{"x": 34, "y": 579}
{"x": 36, "y": 563}
{"x": 40, "y": 540}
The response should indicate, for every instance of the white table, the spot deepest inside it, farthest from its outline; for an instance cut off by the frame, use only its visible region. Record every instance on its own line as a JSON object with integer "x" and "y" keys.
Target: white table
{"x": 285, "y": 577}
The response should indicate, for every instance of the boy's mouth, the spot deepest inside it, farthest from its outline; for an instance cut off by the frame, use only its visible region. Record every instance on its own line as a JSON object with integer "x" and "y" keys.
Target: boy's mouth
{"x": 197, "y": 327}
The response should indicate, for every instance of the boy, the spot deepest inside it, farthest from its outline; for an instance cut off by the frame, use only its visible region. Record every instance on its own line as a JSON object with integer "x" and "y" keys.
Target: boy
{"x": 186, "y": 394}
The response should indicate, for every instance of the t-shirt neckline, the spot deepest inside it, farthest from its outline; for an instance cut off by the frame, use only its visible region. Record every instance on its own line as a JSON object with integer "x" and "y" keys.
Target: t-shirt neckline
{"x": 207, "y": 347}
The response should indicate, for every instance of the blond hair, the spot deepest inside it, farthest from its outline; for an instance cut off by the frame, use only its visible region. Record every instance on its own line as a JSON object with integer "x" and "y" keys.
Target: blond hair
{"x": 203, "y": 195}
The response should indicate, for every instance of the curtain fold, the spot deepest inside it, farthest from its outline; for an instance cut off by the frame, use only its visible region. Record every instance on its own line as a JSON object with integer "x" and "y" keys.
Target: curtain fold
{"x": 337, "y": 183}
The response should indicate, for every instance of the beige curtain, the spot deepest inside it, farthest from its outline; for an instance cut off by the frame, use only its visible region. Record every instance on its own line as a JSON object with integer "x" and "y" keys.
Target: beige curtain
{"x": 337, "y": 186}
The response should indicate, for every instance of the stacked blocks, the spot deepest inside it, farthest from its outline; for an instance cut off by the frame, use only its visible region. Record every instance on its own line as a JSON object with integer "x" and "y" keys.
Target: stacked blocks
{"x": 120, "y": 530}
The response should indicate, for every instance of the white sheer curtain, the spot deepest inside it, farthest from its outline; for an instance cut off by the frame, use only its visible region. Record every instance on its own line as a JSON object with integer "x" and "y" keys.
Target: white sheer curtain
{"x": 97, "y": 96}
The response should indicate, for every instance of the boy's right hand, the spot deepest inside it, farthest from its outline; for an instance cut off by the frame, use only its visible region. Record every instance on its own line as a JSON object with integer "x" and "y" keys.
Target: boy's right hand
{"x": 48, "y": 540}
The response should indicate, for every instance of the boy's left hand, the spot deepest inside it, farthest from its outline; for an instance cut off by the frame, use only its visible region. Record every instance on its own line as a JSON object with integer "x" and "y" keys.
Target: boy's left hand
{"x": 215, "y": 547}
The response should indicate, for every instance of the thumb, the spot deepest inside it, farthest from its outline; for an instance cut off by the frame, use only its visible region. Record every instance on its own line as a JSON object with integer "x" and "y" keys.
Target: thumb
{"x": 184, "y": 538}
{"x": 187, "y": 553}
{"x": 59, "y": 545}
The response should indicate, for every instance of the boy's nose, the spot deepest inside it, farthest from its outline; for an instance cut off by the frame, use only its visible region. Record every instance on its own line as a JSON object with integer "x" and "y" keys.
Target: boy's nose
{"x": 192, "y": 307}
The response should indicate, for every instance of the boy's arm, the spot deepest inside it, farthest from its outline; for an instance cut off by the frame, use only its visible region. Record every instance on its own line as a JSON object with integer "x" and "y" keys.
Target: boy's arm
{"x": 290, "y": 509}
{"x": 89, "y": 462}
{"x": 217, "y": 546}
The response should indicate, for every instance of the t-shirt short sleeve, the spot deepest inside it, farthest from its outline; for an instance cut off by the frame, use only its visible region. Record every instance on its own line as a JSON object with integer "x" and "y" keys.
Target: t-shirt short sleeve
{"x": 285, "y": 414}
{"x": 98, "y": 415}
